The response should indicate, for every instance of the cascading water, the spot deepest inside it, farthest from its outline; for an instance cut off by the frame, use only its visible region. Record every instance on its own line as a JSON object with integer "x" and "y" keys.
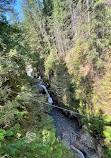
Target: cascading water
{"x": 49, "y": 98}
{"x": 59, "y": 120}
{"x": 45, "y": 89}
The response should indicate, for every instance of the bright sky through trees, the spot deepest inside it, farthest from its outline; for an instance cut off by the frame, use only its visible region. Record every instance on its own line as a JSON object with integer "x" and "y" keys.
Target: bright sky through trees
{"x": 17, "y": 10}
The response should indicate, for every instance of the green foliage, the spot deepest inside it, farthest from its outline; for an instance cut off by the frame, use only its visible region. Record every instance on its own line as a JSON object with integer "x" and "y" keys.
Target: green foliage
{"x": 17, "y": 140}
{"x": 71, "y": 45}
{"x": 107, "y": 152}
{"x": 88, "y": 65}
{"x": 48, "y": 7}
{"x": 99, "y": 3}
{"x": 50, "y": 62}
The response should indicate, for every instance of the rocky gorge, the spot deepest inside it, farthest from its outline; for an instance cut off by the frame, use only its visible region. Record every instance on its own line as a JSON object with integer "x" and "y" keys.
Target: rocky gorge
{"x": 75, "y": 136}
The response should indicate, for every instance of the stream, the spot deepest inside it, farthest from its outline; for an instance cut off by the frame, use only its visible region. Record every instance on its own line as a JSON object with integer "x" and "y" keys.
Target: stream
{"x": 67, "y": 129}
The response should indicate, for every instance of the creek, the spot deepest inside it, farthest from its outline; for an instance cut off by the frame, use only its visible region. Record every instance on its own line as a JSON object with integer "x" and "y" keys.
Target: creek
{"x": 69, "y": 131}
{"x": 67, "y": 128}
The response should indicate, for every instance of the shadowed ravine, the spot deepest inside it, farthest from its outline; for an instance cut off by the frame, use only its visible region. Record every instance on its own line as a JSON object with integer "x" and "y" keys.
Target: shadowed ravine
{"x": 64, "y": 124}
{"x": 67, "y": 129}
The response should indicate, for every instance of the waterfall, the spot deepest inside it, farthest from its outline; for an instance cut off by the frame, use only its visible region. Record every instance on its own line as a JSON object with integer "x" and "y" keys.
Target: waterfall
{"x": 49, "y": 98}
{"x": 45, "y": 89}
{"x": 72, "y": 137}
{"x": 29, "y": 70}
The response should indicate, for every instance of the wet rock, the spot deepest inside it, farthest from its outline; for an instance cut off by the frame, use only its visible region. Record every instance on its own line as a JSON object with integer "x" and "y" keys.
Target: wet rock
{"x": 37, "y": 84}
{"x": 50, "y": 100}
{"x": 66, "y": 127}
{"x": 89, "y": 145}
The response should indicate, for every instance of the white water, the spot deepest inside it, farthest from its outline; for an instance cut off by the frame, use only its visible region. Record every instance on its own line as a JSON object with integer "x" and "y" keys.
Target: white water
{"x": 45, "y": 89}
{"x": 72, "y": 147}
{"x": 29, "y": 70}
{"x": 49, "y": 98}
{"x": 51, "y": 101}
